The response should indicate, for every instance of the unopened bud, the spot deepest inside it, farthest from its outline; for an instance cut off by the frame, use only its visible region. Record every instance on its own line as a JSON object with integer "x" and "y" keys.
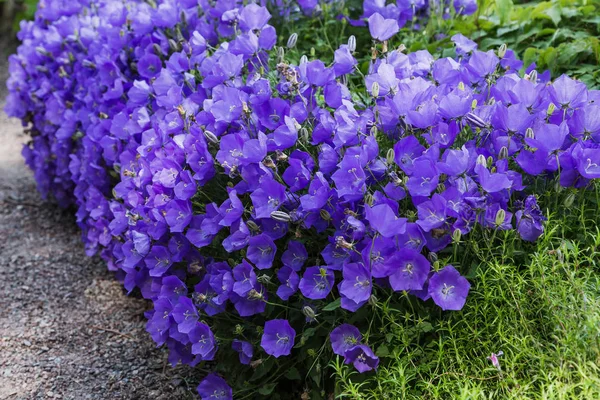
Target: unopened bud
{"x": 481, "y": 160}
{"x": 211, "y": 137}
{"x": 433, "y": 257}
{"x": 324, "y": 214}
{"x": 533, "y": 76}
{"x": 503, "y": 153}
{"x": 373, "y": 300}
{"x": 280, "y": 216}
{"x": 390, "y": 156}
{"x": 474, "y": 104}
{"x": 252, "y": 226}
{"x": 456, "y": 235}
{"x": 502, "y": 50}
{"x": 500, "y": 217}
{"x": 309, "y": 312}
{"x": 174, "y": 46}
{"x": 375, "y": 89}
{"x": 373, "y": 131}
{"x": 280, "y": 54}
{"x": 475, "y": 120}
{"x": 304, "y": 134}
{"x": 401, "y": 48}
{"x": 312, "y": 51}
{"x": 461, "y": 86}
{"x": 551, "y": 108}
{"x": 529, "y": 134}
{"x": 490, "y": 161}
{"x": 303, "y": 59}
{"x": 352, "y": 44}
{"x": 569, "y": 200}
{"x": 291, "y": 43}
{"x": 239, "y": 329}
{"x": 88, "y": 64}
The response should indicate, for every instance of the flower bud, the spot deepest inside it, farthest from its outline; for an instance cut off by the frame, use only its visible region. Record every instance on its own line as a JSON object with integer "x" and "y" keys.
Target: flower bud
{"x": 309, "y": 312}
{"x": 490, "y": 161}
{"x": 481, "y": 160}
{"x": 461, "y": 86}
{"x": 529, "y": 134}
{"x": 375, "y": 89}
{"x": 252, "y": 226}
{"x": 280, "y": 54}
{"x": 303, "y": 59}
{"x": 324, "y": 214}
{"x": 502, "y": 50}
{"x": 433, "y": 257}
{"x": 401, "y": 48}
{"x": 157, "y": 49}
{"x": 292, "y": 40}
{"x": 533, "y": 76}
{"x": 390, "y": 156}
{"x": 311, "y": 352}
{"x": 352, "y": 44}
{"x": 373, "y": 131}
{"x": 304, "y": 134}
{"x": 503, "y": 153}
{"x": 373, "y": 300}
{"x": 456, "y": 235}
{"x": 500, "y": 217}
{"x": 280, "y": 216}
{"x": 211, "y": 137}
{"x": 174, "y": 46}
{"x": 312, "y": 51}
{"x": 474, "y": 104}
{"x": 88, "y": 64}
{"x": 475, "y": 120}
{"x": 239, "y": 329}
{"x": 569, "y": 200}
{"x": 551, "y": 108}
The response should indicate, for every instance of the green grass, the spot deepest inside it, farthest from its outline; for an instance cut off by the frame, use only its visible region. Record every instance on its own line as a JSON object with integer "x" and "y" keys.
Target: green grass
{"x": 543, "y": 314}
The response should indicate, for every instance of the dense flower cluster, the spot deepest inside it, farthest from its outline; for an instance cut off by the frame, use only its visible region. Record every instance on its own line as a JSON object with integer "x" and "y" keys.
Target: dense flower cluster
{"x": 221, "y": 180}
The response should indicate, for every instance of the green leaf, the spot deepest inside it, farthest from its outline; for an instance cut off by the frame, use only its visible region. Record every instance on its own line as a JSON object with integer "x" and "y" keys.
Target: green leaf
{"x": 334, "y": 305}
{"x": 382, "y": 351}
{"x": 292, "y": 374}
{"x": 503, "y": 8}
{"x": 426, "y": 327}
{"x": 267, "y": 389}
{"x": 262, "y": 369}
{"x": 554, "y": 14}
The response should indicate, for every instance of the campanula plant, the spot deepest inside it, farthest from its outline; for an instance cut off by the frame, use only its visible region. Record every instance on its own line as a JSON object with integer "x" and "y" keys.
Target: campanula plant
{"x": 268, "y": 207}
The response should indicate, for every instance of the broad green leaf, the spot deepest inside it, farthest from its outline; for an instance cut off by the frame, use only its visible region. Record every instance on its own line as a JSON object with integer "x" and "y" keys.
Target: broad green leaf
{"x": 293, "y": 375}
{"x": 554, "y": 14}
{"x": 267, "y": 389}
{"x": 503, "y": 8}
{"x": 333, "y": 305}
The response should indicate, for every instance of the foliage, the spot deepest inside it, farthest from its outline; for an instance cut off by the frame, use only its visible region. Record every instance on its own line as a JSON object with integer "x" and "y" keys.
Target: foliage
{"x": 264, "y": 200}
{"x": 541, "y": 311}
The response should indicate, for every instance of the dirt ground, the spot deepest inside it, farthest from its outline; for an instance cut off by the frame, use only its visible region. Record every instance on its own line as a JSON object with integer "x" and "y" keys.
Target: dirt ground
{"x": 67, "y": 331}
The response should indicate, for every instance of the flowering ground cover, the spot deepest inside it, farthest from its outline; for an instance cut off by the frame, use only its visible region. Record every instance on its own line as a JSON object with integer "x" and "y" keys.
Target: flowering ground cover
{"x": 283, "y": 200}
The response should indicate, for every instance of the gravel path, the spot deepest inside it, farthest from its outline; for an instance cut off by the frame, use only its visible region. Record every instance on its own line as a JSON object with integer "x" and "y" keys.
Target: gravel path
{"x": 67, "y": 331}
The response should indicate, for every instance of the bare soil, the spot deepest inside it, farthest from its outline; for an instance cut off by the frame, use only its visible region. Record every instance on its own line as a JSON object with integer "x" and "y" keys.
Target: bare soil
{"x": 67, "y": 330}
